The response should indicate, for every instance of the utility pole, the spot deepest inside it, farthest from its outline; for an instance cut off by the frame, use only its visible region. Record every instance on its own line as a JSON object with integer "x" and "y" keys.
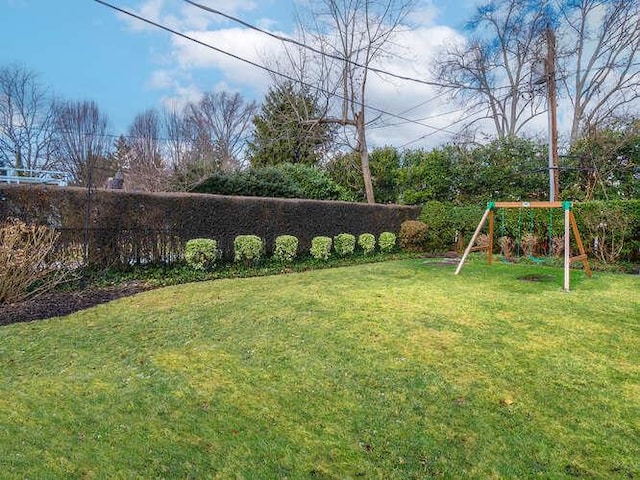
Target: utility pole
{"x": 554, "y": 183}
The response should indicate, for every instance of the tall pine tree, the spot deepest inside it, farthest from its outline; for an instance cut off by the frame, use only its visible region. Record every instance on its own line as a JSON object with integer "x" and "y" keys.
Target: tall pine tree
{"x": 283, "y": 132}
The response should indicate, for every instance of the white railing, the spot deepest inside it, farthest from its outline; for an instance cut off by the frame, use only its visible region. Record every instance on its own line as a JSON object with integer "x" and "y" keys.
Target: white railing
{"x": 24, "y": 175}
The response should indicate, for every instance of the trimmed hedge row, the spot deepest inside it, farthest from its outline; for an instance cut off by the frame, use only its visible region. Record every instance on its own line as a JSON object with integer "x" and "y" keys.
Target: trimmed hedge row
{"x": 133, "y": 227}
{"x": 610, "y": 230}
{"x": 202, "y": 253}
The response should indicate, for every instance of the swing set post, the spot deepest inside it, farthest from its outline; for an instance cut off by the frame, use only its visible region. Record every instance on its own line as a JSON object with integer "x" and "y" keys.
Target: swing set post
{"x": 569, "y": 225}
{"x": 475, "y": 236}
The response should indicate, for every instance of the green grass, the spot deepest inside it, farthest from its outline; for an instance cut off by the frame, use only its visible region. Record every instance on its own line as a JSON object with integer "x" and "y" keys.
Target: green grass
{"x": 387, "y": 370}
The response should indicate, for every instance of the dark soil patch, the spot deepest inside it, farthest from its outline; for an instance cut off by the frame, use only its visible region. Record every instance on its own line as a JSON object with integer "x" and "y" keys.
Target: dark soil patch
{"x": 537, "y": 278}
{"x": 442, "y": 262}
{"x": 443, "y": 259}
{"x": 55, "y": 304}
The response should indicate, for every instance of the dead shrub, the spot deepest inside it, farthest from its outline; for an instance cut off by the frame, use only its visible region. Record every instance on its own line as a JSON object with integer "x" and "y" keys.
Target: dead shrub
{"x": 506, "y": 246}
{"x": 529, "y": 244}
{"x": 29, "y": 262}
{"x": 557, "y": 246}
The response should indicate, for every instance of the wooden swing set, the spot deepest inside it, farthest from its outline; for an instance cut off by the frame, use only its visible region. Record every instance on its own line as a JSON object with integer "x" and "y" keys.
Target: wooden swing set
{"x": 569, "y": 221}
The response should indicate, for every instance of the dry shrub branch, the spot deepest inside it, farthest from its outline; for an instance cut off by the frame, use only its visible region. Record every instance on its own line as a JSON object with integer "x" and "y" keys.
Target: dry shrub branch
{"x": 29, "y": 263}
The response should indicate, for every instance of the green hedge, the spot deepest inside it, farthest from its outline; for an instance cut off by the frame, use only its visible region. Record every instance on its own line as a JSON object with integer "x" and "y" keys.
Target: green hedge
{"x": 286, "y": 180}
{"x": 610, "y": 230}
{"x": 126, "y": 228}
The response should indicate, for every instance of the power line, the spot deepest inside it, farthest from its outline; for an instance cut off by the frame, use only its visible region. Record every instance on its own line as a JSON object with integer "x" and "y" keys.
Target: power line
{"x": 429, "y": 117}
{"x": 308, "y": 47}
{"x": 262, "y": 67}
{"x": 329, "y": 55}
{"x": 422, "y": 137}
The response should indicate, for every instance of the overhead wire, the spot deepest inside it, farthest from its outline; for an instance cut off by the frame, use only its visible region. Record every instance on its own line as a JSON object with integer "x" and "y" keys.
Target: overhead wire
{"x": 328, "y": 55}
{"x": 309, "y": 47}
{"x": 262, "y": 67}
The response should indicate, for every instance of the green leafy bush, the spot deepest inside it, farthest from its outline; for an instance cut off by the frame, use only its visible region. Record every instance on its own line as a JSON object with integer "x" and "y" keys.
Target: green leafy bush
{"x": 321, "y": 247}
{"x": 256, "y": 182}
{"x": 610, "y": 230}
{"x": 441, "y": 232}
{"x": 201, "y": 253}
{"x": 314, "y": 183}
{"x": 387, "y": 241}
{"x": 248, "y": 248}
{"x": 286, "y": 180}
{"x": 412, "y": 235}
{"x": 344, "y": 244}
{"x": 286, "y": 248}
{"x": 367, "y": 242}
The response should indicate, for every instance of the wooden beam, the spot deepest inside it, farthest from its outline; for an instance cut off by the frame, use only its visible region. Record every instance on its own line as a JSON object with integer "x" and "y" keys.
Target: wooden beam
{"x": 473, "y": 239}
{"x": 576, "y": 235}
{"x": 528, "y": 204}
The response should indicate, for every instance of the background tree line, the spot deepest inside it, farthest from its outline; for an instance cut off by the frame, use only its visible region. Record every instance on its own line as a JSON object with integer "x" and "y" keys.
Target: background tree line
{"x": 313, "y": 116}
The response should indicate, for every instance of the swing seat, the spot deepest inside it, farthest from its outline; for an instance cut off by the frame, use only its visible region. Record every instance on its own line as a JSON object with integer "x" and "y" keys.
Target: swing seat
{"x": 536, "y": 259}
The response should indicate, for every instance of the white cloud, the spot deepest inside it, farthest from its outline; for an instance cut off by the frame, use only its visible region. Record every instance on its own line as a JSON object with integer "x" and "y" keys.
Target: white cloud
{"x": 190, "y": 69}
{"x": 181, "y": 96}
{"x": 425, "y": 14}
{"x": 160, "y": 80}
{"x": 184, "y": 17}
{"x": 416, "y": 49}
{"x": 149, "y": 9}
{"x": 246, "y": 44}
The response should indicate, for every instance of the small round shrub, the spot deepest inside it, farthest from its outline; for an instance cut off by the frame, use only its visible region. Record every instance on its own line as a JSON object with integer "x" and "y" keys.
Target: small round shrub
{"x": 201, "y": 253}
{"x": 286, "y": 248}
{"x": 344, "y": 244}
{"x": 387, "y": 241}
{"x": 367, "y": 242}
{"x": 412, "y": 236}
{"x": 248, "y": 248}
{"x": 321, "y": 248}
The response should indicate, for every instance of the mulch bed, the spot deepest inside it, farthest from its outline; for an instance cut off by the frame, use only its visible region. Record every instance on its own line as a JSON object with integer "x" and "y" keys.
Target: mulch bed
{"x": 54, "y": 304}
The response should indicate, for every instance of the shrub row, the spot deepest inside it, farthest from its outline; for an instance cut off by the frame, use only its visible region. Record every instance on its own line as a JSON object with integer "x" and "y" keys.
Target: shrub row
{"x": 203, "y": 253}
{"x": 129, "y": 228}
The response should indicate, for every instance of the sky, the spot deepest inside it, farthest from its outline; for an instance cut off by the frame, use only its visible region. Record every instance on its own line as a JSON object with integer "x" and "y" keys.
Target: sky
{"x": 83, "y": 50}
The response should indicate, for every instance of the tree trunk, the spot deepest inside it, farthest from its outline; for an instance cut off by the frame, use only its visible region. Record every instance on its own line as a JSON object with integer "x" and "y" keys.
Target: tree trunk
{"x": 364, "y": 157}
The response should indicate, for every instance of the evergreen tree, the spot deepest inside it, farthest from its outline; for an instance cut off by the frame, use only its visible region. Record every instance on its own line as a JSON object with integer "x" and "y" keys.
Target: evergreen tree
{"x": 283, "y": 133}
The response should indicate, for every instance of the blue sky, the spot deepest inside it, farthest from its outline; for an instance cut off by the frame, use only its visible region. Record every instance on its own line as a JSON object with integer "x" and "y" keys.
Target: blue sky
{"x": 85, "y": 51}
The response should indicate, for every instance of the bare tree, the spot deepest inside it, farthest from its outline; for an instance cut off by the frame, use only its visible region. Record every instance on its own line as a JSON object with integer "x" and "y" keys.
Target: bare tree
{"x": 187, "y": 149}
{"x": 598, "y": 44}
{"x": 147, "y": 170}
{"x": 82, "y": 142}
{"x": 223, "y": 121}
{"x": 350, "y": 36}
{"x": 178, "y": 137}
{"x": 492, "y": 73}
{"x": 27, "y": 118}
{"x": 602, "y": 60}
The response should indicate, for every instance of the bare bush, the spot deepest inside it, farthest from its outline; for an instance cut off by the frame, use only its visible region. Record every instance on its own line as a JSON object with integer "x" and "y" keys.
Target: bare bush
{"x": 28, "y": 261}
{"x": 506, "y": 246}
{"x": 557, "y": 246}
{"x": 529, "y": 244}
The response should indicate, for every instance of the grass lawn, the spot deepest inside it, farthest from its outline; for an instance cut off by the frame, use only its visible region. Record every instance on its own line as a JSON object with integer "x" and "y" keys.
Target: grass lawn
{"x": 389, "y": 370}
